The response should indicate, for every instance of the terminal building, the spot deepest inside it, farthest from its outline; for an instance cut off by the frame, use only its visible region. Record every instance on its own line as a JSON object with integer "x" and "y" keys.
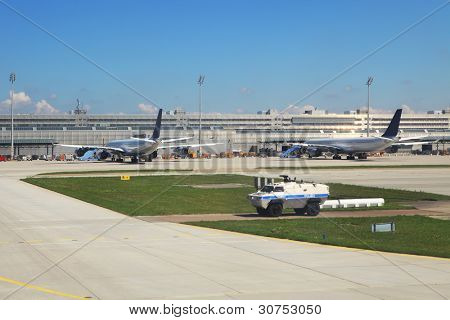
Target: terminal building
{"x": 36, "y": 134}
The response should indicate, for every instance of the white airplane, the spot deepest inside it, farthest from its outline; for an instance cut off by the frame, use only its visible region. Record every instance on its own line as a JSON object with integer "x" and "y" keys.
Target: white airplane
{"x": 359, "y": 147}
{"x": 135, "y": 148}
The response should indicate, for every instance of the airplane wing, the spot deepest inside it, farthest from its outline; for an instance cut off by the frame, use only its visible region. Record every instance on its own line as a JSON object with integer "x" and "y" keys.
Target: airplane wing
{"x": 189, "y": 145}
{"x": 143, "y": 139}
{"x": 414, "y": 143}
{"x": 162, "y": 141}
{"x": 90, "y": 147}
{"x": 413, "y": 138}
{"x": 176, "y": 139}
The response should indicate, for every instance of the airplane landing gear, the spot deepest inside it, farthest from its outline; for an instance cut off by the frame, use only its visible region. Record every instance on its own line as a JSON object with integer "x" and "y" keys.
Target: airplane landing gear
{"x": 116, "y": 159}
{"x": 337, "y": 157}
{"x": 362, "y": 156}
{"x": 134, "y": 159}
{"x": 350, "y": 157}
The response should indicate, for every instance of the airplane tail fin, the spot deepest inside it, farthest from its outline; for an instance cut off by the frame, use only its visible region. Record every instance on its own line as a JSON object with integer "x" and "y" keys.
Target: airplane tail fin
{"x": 157, "y": 130}
{"x": 392, "y": 130}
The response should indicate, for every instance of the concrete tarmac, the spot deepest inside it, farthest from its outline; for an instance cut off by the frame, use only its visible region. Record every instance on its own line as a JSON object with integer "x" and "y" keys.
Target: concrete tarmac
{"x": 57, "y": 247}
{"x": 428, "y": 179}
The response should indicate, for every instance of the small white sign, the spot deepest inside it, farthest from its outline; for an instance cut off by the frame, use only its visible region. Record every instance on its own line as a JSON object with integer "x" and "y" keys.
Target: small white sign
{"x": 383, "y": 227}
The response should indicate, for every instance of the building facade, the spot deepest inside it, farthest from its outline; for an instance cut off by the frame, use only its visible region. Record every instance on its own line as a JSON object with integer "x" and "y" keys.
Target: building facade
{"x": 235, "y": 131}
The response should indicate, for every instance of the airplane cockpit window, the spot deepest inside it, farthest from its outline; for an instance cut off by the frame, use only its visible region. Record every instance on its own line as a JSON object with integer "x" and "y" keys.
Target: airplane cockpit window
{"x": 279, "y": 189}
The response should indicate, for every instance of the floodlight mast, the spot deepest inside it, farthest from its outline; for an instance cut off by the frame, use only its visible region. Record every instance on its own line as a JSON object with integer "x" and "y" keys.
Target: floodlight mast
{"x": 368, "y": 83}
{"x": 200, "y": 81}
{"x": 12, "y": 79}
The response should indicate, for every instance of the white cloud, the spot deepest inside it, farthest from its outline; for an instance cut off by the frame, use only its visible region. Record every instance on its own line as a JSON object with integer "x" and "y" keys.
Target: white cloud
{"x": 20, "y": 99}
{"x": 245, "y": 90}
{"x": 375, "y": 110}
{"x": 147, "y": 108}
{"x": 43, "y": 107}
{"x": 407, "y": 109}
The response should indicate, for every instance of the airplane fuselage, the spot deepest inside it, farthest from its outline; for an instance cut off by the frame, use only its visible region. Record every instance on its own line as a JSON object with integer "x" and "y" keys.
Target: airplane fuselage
{"x": 134, "y": 147}
{"x": 354, "y": 145}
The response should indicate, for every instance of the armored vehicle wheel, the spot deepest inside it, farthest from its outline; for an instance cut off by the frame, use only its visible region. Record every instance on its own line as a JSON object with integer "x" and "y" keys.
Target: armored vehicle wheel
{"x": 300, "y": 211}
{"x": 275, "y": 209}
{"x": 261, "y": 211}
{"x": 312, "y": 208}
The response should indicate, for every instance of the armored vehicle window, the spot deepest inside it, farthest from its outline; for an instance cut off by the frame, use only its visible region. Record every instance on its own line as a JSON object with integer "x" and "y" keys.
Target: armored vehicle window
{"x": 267, "y": 189}
{"x": 279, "y": 189}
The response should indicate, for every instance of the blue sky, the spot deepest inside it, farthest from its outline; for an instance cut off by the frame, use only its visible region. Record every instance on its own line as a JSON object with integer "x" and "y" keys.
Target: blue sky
{"x": 255, "y": 54}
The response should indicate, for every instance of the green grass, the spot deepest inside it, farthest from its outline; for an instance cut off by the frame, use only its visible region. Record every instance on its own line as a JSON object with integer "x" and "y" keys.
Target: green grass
{"x": 174, "y": 194}
{"x": 414, "y": 234}
{"x": 155, "y": 195}
{"x": 394, "y": 199}
{"x": 303, "y": 166}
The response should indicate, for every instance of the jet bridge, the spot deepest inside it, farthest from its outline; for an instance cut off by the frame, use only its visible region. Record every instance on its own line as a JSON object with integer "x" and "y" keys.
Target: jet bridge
{"x": 32, "y": 146}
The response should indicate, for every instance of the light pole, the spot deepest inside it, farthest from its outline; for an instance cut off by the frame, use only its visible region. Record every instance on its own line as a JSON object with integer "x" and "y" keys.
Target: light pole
{"x": 200, "y": 81}
{"x": 12, "y": 79}
{"x": 368, "y": 83}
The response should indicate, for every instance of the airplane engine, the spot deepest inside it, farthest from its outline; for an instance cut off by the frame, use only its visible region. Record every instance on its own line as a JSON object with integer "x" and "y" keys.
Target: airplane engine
{"x": 151, "y": 156}
{"x": 81, "y": 151}
{"x": 314, "y": 152}
{"x": 392, "y": 149}
{"x": 103, "y": 155}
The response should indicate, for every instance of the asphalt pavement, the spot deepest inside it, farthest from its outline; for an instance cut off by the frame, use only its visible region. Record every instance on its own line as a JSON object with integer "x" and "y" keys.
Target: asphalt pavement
{"x": 57, "y": 247}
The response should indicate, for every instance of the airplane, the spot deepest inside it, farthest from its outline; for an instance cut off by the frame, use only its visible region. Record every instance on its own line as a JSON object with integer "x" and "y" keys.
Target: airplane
{"x": 354, "y": 147}
{"x": 136, "y": 148}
